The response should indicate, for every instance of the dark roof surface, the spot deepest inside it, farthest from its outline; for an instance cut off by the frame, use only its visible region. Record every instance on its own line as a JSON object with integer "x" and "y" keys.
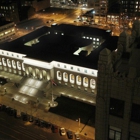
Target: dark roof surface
{"x": 57, "y": 47}
{"x": 3, "y": 22}
{"x": 82, "y": 30}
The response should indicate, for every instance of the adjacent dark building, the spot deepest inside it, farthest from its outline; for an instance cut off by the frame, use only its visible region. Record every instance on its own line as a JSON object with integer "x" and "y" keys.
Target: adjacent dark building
{"x": 118, "y": 89}
{"x": 19, "y": 10}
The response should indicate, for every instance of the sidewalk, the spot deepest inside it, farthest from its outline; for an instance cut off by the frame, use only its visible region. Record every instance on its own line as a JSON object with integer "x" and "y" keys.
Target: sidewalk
{"x": 42, "y": 112}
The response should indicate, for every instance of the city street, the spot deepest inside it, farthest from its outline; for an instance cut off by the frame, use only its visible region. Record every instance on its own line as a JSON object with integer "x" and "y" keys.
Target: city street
{"x": 59, "y": 16}
{"x": 23, "y": 97}
{"x": 16, "y": 129}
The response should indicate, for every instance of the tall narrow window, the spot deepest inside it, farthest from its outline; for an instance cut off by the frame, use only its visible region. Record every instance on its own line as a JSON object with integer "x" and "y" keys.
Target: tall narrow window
{"x": 78, "y": 80}
{"x": 116, "y": 107}
{"x": 114, "y": 133}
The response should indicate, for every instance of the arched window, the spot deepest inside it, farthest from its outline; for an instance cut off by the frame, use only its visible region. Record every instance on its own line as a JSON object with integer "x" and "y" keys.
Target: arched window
{"x": 4, "y": 61}
{"x": 85, "y": 82}
{"x": 30, "y": 71}
{"x": 23, "y": 66}
{"x": 65, "y": 77}
{"x": 37, "y": 73}
{"x": 72, "y": 78}
{"x": 59, "y": 75}
{"x": 8, "y": 63}
{"x": 14, "y": 64}
{"x": 18, "y": 65}
{"x": 92, "y": 83}
{"x": 78, "y": 80}
{"x": 44, "y": 74}
{"x": 0, "y": 61}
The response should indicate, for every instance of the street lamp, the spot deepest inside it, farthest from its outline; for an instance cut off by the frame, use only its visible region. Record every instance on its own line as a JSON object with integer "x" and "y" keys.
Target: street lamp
{"x": 79, "y": 122}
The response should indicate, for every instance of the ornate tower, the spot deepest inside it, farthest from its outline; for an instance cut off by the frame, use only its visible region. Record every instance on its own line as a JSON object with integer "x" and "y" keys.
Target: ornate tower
{"x": 103, "y": 96}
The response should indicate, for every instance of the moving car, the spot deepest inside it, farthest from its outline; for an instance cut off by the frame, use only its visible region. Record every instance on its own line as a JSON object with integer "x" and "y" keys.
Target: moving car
{"x": 62, "y": 131}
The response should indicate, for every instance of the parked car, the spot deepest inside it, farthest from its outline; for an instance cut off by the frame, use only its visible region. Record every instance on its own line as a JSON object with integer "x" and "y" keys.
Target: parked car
{"x": 54, "y": 129}
{"x": 70, "y": 134}
{"x": 36, "y": 121}
{"x": 12, "y": 112}
{"x": 31, "y": 118}
{"x": 62, "y": 131}
{"x": 17, "y": 114}
{"x": 41, "y": 123}
{"x": 3, "y": 107}
{"x": 48, "y": 125}
{"x": 24, "y": 116}
{"x": 77, "y": 137}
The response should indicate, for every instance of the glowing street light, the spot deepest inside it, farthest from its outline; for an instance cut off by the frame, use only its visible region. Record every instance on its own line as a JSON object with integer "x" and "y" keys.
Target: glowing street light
{"x": 79, "y": 122}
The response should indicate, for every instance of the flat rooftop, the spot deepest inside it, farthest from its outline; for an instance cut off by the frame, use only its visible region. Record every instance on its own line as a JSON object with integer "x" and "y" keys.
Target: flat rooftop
{"x": 48, "y": 46}
{"x": 3, "y": 22}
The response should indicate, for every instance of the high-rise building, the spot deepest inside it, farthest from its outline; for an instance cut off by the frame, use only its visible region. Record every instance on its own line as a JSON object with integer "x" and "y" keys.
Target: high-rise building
{"x": 118, "y": 89}
{"x": 123, "y": 11}
{"x": 100, "y": 7}
{"x": 18, "y": 10}
{"x": 9, "y": 10}
{"x": 130, "y": 8}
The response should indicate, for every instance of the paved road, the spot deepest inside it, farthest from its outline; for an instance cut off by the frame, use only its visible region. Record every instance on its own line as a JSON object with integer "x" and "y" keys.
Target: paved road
{"x": 16, "y": 129}
{"x": 57, "y": 116}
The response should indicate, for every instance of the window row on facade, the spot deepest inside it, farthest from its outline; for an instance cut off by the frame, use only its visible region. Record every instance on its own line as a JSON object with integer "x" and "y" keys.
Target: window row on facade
{"x": 6, "y": 7}
{"x": 78, "y": 80}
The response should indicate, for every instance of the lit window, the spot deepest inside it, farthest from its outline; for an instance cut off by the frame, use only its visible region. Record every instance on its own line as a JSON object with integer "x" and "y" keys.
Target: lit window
{"x": 97, "y": 39}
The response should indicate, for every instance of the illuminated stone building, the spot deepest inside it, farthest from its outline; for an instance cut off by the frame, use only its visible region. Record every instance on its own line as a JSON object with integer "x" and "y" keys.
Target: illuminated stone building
{"x": 118, "y": 89}
{"x": 64, "y": 53}
{"x": 7, "y": 30}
